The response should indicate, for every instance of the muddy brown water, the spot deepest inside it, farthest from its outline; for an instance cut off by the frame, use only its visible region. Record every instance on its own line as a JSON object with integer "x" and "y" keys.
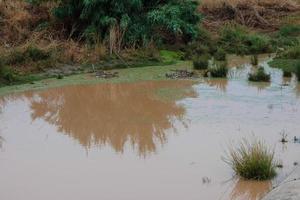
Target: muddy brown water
{"x": 135, "y": 141}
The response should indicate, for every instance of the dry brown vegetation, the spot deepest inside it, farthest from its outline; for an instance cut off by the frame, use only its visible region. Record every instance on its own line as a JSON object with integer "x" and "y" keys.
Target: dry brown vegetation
{"x": 260, "y": 14}
{"x": 23, "y": 25}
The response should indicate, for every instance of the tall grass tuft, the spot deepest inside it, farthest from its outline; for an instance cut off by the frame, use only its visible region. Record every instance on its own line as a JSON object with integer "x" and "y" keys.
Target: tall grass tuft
{"x": 252, "y": 160}
{"x": 259, "y": 76}
{"x": 219, "y": 70}
{"x": 201, "y": 62}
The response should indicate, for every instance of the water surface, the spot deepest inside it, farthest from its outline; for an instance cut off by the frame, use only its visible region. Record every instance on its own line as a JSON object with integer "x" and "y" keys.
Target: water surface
{"x": 147, "y": 140}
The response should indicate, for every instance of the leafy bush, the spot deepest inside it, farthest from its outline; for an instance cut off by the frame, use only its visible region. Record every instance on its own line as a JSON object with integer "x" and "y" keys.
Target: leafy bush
{"x": 201, "y": 62}
{"x": 252, "y": 160}
{"x": 219, "y": 70}
{"x": 220, "y": 55}
{"x": 259, "y": 76}
{"x": 131, "y": 23}
{"x": 235, "y": 39}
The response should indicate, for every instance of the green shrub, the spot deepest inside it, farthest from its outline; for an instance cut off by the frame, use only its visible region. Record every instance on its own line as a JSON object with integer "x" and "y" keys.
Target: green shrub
{"x": 259, "y": 76}
{"x": 219, "y": 70}
{"x": 220, "y": 55}
{"x": 235, "y": 39}
{"x": 254, "y": 60}
{"x": 141, "y": 21}
{"x": 252, "y": 160}
{"x": 201, "y": 62}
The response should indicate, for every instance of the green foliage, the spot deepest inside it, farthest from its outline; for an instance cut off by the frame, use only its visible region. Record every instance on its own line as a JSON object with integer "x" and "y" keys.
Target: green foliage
{"x": 290, "y": 30}
{"x": 220, "y": 55}
{"x": 298, "y": 70}
{"x": 138, "y": 21}
{"x": 291, "y": 53}
{"x": 252, "y": 160}
{"x": 170, "y": 56}
{"x": 219, "y": 70}
{"x": 254, "y": 59}
{"x": 288, "y": 65}
{"x": 201, "y": 62}
{"x": 259, "y": 76}
{"x": 7, "y": 76}
{"x": 235, "y": 39}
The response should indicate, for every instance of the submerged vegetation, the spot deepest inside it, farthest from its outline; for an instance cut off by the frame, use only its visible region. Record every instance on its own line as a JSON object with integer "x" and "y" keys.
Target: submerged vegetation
{"x": 252, "y": 160}
{"x": 218, "y": 70}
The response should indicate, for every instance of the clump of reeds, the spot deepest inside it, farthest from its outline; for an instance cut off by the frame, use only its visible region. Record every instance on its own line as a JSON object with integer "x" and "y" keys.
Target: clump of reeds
{"x": 219, "y": 70}
{"x": 259, "y": 76}
{"x": 252, "y": 160}
{"x": 201, "y": 62}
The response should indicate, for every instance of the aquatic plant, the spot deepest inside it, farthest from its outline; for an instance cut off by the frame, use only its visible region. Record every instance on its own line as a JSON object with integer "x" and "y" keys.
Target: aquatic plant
{"x": 219, "y": 70}
{"x": 259, "y": 76}
{"x": 201, "y": 62}
{"x": 252, "y": 160}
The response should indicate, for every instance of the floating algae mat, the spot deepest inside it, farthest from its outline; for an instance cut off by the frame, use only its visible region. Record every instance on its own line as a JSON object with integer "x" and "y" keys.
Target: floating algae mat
{"x": 128, "y": 141}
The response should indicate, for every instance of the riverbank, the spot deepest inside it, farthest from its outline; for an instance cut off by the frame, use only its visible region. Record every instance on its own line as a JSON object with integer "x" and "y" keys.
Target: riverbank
{"x": 124, "y": 75}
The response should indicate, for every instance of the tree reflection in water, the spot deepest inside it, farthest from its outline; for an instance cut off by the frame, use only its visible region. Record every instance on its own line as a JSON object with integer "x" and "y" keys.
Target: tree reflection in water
{"x": 111, "y": 113}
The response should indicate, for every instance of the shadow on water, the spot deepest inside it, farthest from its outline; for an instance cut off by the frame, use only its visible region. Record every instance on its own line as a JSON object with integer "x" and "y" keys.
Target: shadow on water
{"x": 111, "y": 113}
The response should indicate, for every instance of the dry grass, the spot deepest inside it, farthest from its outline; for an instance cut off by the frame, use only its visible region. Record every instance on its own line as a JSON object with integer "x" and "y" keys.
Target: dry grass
{"x": 260, "y": 14}
{"x": 235, "y": 3}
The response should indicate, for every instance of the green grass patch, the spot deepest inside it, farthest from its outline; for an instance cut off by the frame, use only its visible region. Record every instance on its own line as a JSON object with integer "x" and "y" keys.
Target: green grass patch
{"x": 150, "y": 73}
{"x": 287, "y": 65}
{"x": 170, "y": 56}
{"x": 237, "y": 40}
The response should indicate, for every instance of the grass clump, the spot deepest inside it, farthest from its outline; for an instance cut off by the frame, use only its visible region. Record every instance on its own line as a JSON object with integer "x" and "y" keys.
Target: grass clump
{"x": 259, "y": 76}
{"x": 252, "y": 160}
{"x": 201, "y": 62}
{"x": 219, "y": 70}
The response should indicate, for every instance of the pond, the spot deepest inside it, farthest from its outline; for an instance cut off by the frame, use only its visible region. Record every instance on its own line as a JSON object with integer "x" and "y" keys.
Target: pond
{"x": 145, "y": 140}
